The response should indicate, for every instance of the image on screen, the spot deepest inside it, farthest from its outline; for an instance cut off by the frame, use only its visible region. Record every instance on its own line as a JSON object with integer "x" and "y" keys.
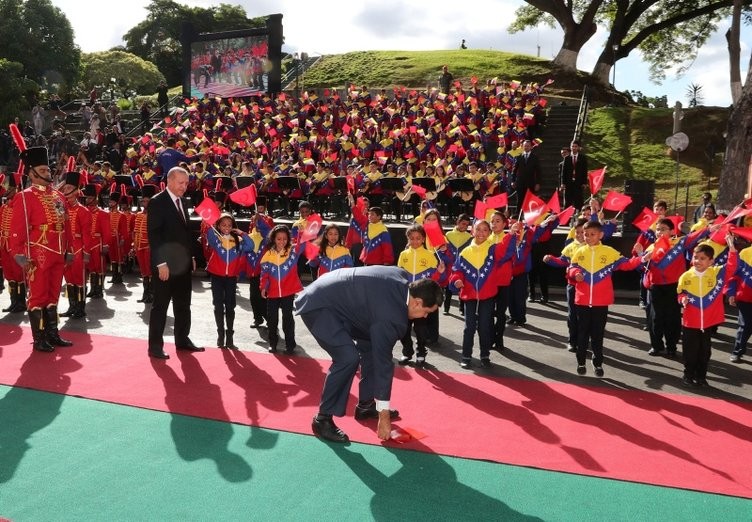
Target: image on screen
{"x": 230, "y": 67}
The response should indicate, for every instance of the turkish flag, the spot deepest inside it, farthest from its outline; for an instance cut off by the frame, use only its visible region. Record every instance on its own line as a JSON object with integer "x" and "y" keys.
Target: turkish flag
{"x": 245, "y": 196}
{"x": 311, "y": 250}
{"x": 595, "y": 177}
{"x": 736, "y": 214}
{"x": 616, "y": 201}
{"x": 480, "y": 210}
{"x": 554, "y": 204}
{"x": 661, "y": 248}
{"x": 744, "y": 232}
{"x": 719, "y": 236}
{"x": 532, "y": 208}
{"x": 434, "y": 233}
{"x": 498, "y": 201}
{"x": 350, "y": 184}
{"x": 644, "y": 219}
{"x": 346, "y": 129}
{"x": 677, "y": 220}
{"x": 566, "y": 215}
{"x": 420, "y": 191}
{"x": 208, "y": 211}
{"x": 312, "y": 228}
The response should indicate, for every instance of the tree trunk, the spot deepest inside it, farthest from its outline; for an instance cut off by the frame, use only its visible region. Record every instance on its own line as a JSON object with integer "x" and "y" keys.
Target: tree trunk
{"x": 601, "y": 71}
{"x": 575, "y": 37}
{"x": 734, "y": 50}
{"x": 736, "y": 166}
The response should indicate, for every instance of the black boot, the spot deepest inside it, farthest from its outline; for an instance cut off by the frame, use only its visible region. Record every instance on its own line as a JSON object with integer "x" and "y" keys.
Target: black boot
{"x": 98, "y": 287}
{"x": 80, "y": 311}
{"x": 118, "y": 276}
{"x": 20, "y": 305}
{"x": 71, "y": 291}
{"x": 92, "y": 284}
{"x": 219, "y": 319}
{"x": 146, "y": 291}
{"x": 37, "y": 332}
{"x": 230, "y": 317}
{"x": 12, "y": 291}
{"x": 50, "y": 328}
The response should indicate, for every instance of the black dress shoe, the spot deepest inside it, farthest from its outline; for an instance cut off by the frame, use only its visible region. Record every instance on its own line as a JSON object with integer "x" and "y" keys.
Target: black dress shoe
{"x": 327, "y": 430}
{"x": 190, "y": 347}
{"x": 158, "y": 355}
{"x": 369, "y": 412}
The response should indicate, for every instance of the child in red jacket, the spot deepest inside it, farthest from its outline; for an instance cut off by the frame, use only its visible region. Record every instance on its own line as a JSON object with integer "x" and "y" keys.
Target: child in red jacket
{"x": 279, "y": 284}
{"x": 701, "y": 294}
{"x": 227, "y": 247}
{"x": 590, "y": 268}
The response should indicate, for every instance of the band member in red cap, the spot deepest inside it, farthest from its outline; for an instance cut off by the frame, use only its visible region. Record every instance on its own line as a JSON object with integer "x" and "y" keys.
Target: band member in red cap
{"x": 39, "y": 240}
{"x": 79, "y": 219}
{"x": 119, "y": 236}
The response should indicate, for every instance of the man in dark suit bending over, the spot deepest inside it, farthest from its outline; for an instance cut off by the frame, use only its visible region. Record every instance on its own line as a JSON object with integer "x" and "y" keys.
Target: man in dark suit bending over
{"x": 357, "y": 315}
{"x": 171, "y": 244}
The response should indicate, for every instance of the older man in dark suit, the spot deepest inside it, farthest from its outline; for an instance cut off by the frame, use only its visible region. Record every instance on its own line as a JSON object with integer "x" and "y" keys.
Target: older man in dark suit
{"x": 171, "y": 259}
{"x": 357, "y": 315}
{"x": 574, "y": 170}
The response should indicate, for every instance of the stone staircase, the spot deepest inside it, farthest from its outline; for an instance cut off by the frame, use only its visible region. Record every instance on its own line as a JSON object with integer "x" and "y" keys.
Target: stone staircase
{"x": 560, "y": 128}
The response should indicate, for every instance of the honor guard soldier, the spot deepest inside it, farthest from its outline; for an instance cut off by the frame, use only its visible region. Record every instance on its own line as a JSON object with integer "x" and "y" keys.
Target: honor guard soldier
{"x": 141, "y": 243}
{"x": 11, "y": 271}
{"x": 118, "y": 235}
{"x": 79, "y": 220}
{"x": 40, "y": 237}
{"x": 100, "y": 234}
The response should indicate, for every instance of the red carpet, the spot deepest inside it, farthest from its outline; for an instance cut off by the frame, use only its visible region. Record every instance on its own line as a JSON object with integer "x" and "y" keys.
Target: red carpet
{"x": 663, "y": 439}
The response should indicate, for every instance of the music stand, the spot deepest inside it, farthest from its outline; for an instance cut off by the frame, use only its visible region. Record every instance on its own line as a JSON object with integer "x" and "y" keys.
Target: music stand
{"x": 392, "y": 184}
{"x": 460, "y": 185}
{"x": 244, "y": 181}
{"x": 427, "y": 183}
{"x": 340, "y": 184}
{"x": 288, "y": 183}
{"x": 123, "y": 180}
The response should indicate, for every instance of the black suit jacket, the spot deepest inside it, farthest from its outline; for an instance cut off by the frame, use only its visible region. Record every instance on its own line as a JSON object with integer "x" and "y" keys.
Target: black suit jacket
{"x": 527, "y": 174}
{"x": 368, "y": 304}
{"x": 574, "y": 175}
{"x": 170, "y": 237}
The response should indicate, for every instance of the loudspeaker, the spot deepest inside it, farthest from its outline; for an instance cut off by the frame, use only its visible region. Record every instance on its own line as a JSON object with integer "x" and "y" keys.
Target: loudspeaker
{"x": 642, "y": 193}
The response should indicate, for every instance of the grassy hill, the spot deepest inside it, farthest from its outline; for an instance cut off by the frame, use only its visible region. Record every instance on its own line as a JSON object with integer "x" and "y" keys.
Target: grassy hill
{"x": 629, "y": 139}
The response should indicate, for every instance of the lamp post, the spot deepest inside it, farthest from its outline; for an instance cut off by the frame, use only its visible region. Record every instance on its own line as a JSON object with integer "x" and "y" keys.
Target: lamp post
{"x": 615, "y": 48}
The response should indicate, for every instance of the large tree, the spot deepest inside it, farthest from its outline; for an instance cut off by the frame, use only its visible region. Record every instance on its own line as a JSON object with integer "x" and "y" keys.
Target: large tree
{"x": 157, "y": 39}
{"x": 39, "y": 36}
{"x": 667, "y": 32}
{"x": 129, "y": 71}
{"x": 737, "y": 166}
{"x": 15, "y": 89}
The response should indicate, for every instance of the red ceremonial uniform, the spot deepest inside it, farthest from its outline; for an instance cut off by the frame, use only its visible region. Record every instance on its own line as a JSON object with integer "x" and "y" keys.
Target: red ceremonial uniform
{"x": 39, "y": 231}
{"x": 79, "y": 219}
{"x": 141, "y": 244}
{"x": 119, "y": 236}
{"x": 11, "y": 270}
{"x": 100, "y": 233}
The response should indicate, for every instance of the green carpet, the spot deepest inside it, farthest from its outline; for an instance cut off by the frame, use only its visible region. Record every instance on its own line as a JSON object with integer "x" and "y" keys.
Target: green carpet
{"x": 66, "y": 458}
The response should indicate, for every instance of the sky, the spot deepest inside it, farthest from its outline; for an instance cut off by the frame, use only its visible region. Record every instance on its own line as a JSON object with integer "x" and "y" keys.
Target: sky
{"x": 338, "y": 26}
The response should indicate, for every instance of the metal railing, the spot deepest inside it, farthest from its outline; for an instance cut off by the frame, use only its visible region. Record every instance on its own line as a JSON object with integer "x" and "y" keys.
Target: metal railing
{"x": 582, "y": 114}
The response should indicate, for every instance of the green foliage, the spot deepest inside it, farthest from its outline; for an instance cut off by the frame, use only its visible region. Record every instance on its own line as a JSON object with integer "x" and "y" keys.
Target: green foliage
{"x": 124, "y": 104}
{"x": 38, "y": 35}
{"x": 14, "y": 90}
{"x": 677, "y": 44}
{"x": 421, "y": 68}
{"x": 527, "y": 17}
{"x": 157, "y": 39}
{"x": 694, "y": 95}
{"x": 653, "y": 102}
{"x": 130, "y": 72}
{"x": 631, "y": 142}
